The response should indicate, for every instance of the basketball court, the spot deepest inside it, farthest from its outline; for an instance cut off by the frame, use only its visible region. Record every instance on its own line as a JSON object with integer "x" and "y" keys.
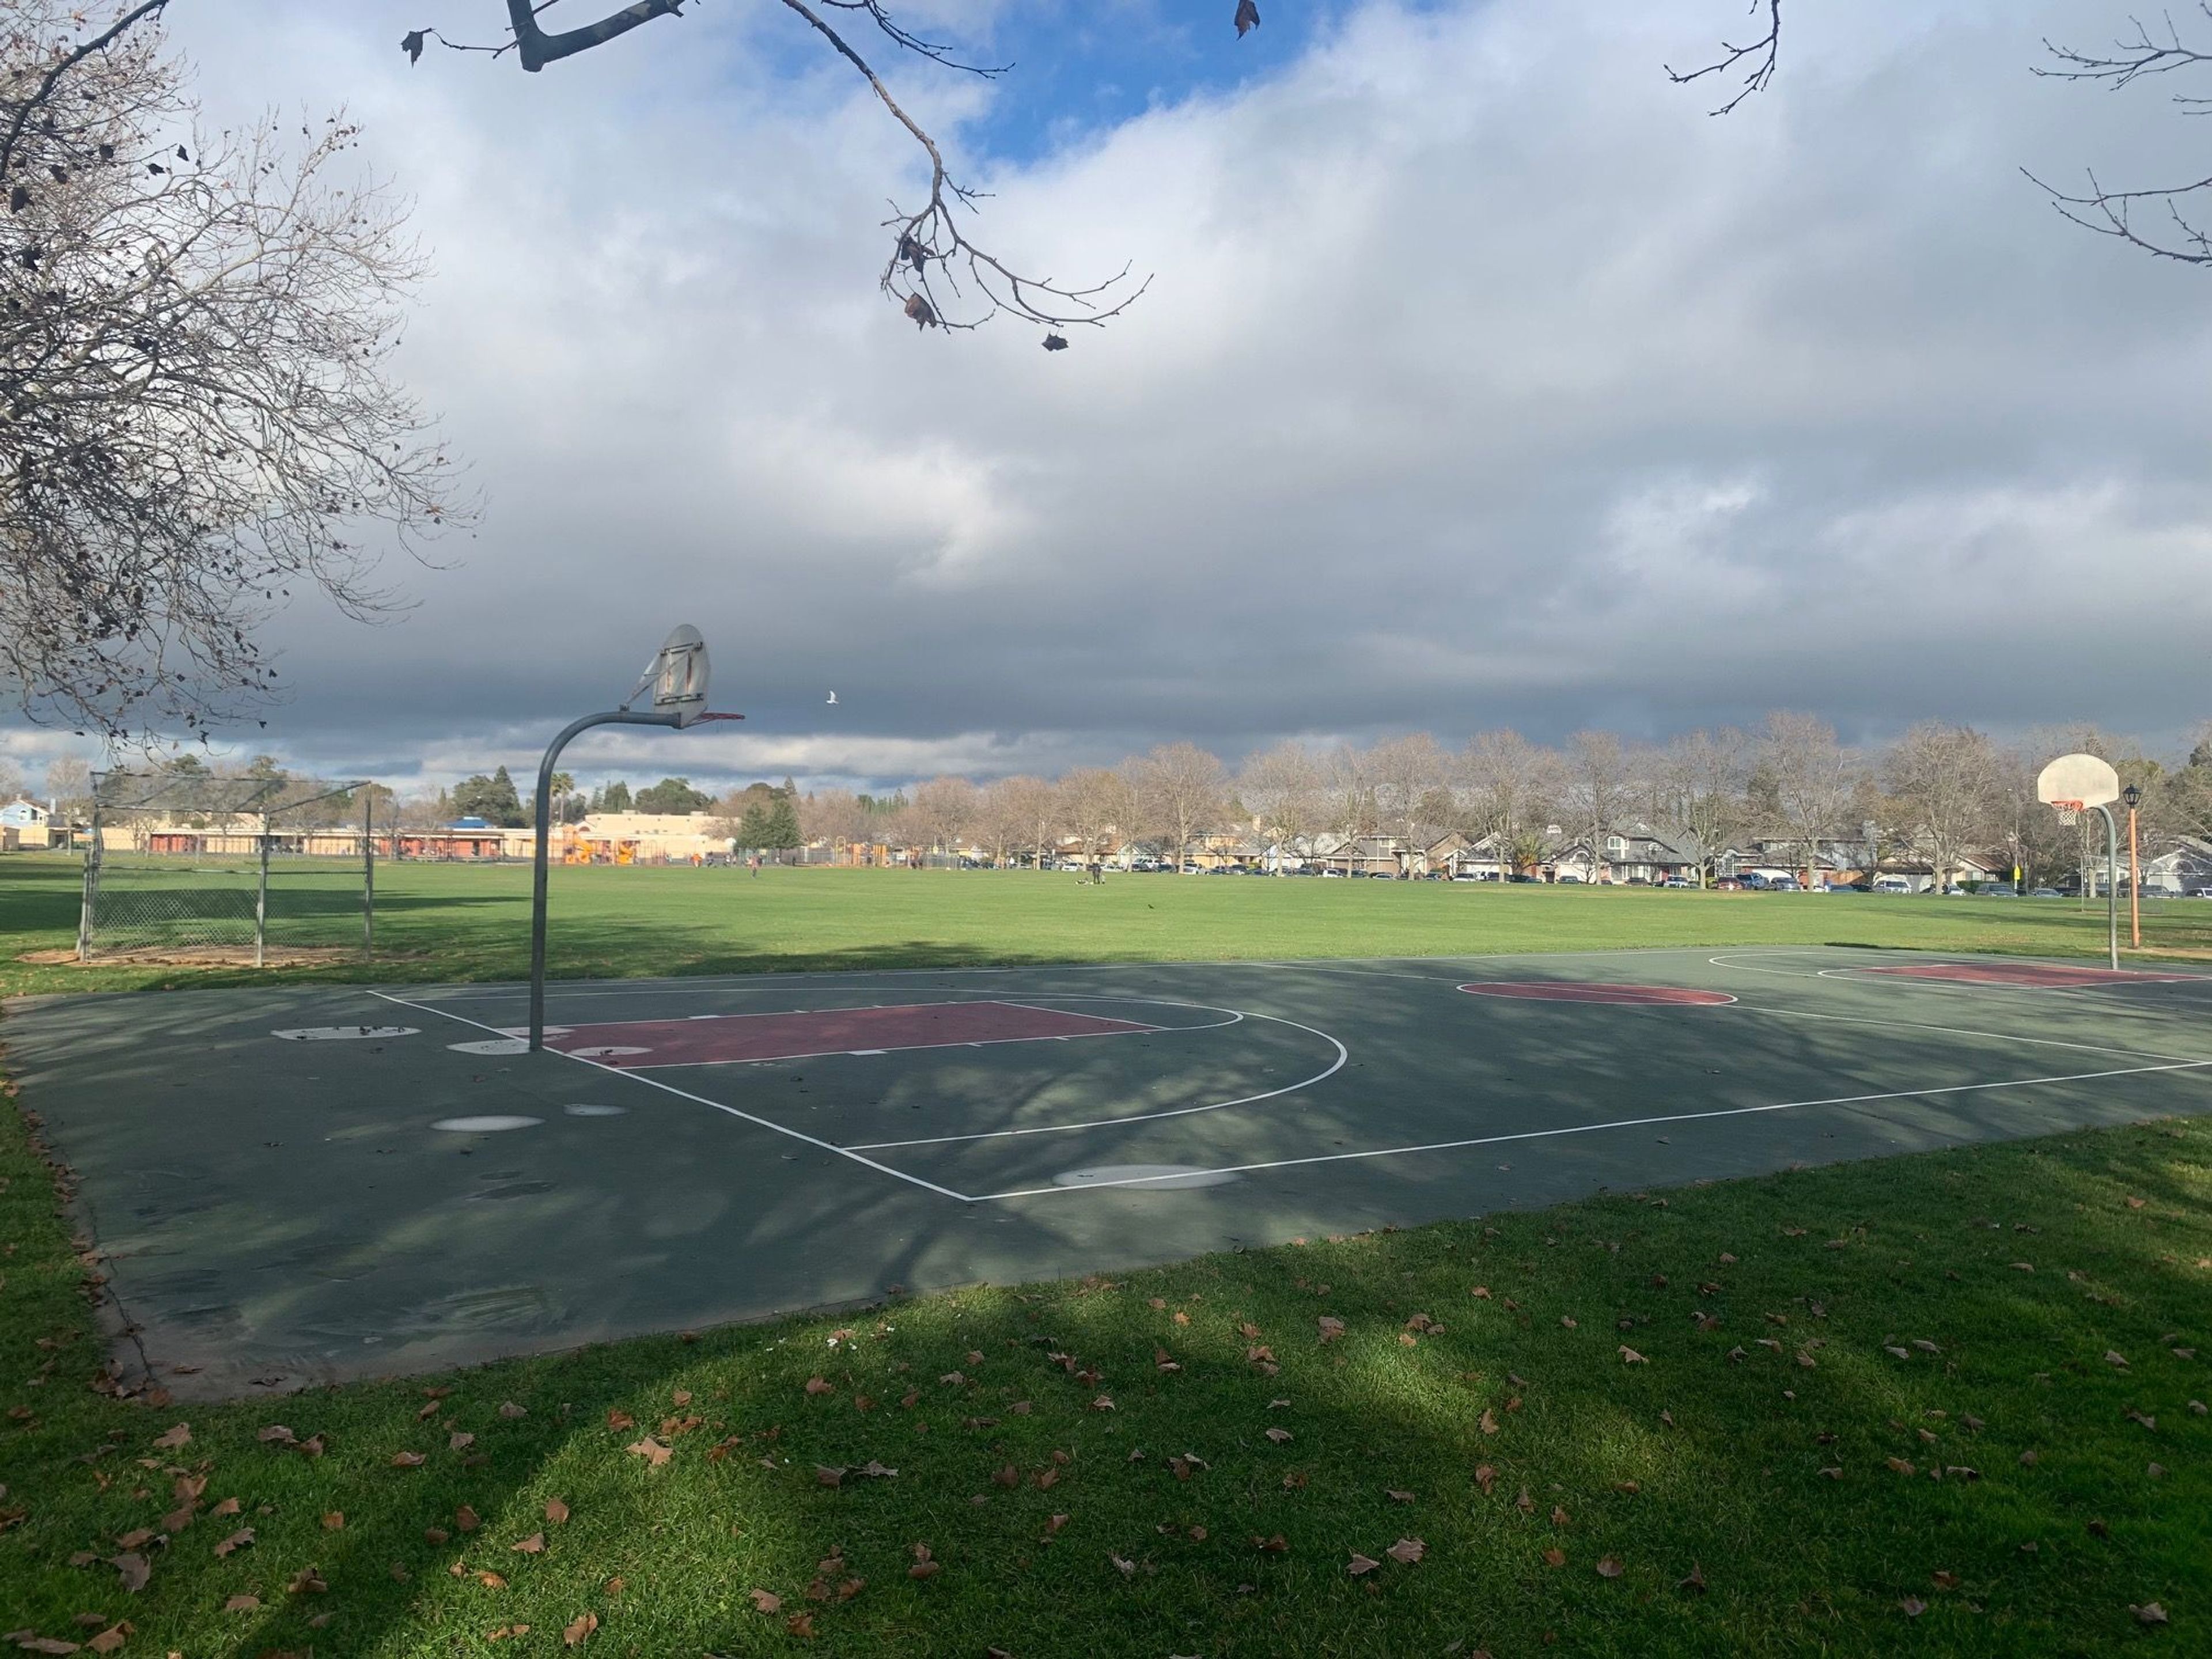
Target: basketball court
{"x": 293, "y": 1186}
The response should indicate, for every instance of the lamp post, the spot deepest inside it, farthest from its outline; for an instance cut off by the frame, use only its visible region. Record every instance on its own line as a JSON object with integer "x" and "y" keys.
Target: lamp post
{"x": 2133, "y": 796}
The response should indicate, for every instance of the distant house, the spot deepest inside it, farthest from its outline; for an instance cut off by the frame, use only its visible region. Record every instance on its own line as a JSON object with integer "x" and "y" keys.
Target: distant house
{"x": 1631, "y": 853}
{"x": 23, "y": 824}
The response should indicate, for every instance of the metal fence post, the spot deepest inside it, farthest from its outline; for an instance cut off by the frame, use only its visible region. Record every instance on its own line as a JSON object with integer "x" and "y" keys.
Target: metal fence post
{"x": 261, "y": 901}
{"x": 368, "y": 873}
{"x": 91, "y": 879}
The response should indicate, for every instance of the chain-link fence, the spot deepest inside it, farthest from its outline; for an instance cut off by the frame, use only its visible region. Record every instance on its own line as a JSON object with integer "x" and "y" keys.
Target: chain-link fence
{"x": 227, "y": 869}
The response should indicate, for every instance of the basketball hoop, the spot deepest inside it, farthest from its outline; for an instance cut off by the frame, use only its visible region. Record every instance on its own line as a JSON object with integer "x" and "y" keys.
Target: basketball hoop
{"x": 2069, "y": 811}
{"x": 2073, "y": 785}
{"x": 677, "y": 675}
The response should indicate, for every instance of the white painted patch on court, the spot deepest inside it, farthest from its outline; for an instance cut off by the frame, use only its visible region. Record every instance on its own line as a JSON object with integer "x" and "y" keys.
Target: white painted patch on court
{"x": 345, "y": 1033}
{"x": 595, "y": 1111}
{"x": 493, "y": 1046}
{"x": 1162, "y": 1176}
{"x": 486, "y": 1126}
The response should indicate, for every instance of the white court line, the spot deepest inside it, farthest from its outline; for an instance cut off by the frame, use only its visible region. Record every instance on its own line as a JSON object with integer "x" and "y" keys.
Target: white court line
{"x": 1593, "y": 1128}
{"x": 1961, "y": 1030}
{"x": 1342, "y": 1055}
{"x": 896, "y": 1048}
{"x": 681, "y": 1094}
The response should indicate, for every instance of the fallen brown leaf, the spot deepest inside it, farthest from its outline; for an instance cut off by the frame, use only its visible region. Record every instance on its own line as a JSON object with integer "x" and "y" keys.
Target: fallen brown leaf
{"x": 650, "y": 1450}
{"x": 580, "y": 1629}
{"x": 1630, "y": 1356}
{"x": 308, "y": 1581}
{"x": 407, "y": 1460}
{"x": 237, "y": 1540}
{"x": 1555, "y": 1557}
{"x": 766, "y": 1601}
{"x": 1361, "y": 1564}
{"x": 2148, "y": 1613}
{"x": 508, "y": 1409}
{"x": 1407, "y": 1551}
{"x": 135, "y": 1568}
{"x": 533, "y": 1545}
{"x": 466, "y": 1519}
{"x": 334, "y": 1521}
{"x": 181, "y": 1435}
{"x": 1608, "y": 1566}
{"x": 1279, "y": 1435}
{"x": 555, "y": 1510}
{"x": 1331, "y": 1328}
{"x": 1913, "y": 1607}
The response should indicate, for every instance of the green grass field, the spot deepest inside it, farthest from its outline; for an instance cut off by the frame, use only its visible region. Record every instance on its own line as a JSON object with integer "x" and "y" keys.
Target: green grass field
{"x": 1950, "y": 1404}
{"x": 453, "y": 922}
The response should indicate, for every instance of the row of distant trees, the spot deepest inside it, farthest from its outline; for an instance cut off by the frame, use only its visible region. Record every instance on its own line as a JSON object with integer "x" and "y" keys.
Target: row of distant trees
{"x": 1939, "y": 791}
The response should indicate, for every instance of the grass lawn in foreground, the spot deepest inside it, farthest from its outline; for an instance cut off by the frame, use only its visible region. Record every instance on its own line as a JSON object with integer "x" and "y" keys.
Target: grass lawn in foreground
{"x": 448, "y": 922}
{"x": 1950, "y": 1403}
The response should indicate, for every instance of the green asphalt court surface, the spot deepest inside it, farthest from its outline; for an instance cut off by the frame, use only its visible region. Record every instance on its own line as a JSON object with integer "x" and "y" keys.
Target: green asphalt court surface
{"x": 308, "y": 1184}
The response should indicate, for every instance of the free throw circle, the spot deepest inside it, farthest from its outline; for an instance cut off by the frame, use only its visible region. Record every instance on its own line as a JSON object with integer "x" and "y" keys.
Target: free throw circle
{"x": 1554, "y": 990}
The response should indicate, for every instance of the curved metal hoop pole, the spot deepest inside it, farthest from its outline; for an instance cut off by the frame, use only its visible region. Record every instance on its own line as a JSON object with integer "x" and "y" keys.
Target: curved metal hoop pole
{"x": 537, "y": 875}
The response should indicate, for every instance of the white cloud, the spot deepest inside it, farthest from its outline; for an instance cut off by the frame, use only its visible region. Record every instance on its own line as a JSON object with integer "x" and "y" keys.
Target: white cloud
{"x": 1483, "y": 378}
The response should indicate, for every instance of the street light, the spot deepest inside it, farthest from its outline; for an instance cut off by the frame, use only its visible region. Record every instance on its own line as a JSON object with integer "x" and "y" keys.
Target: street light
{"x": 2133, "y": 795}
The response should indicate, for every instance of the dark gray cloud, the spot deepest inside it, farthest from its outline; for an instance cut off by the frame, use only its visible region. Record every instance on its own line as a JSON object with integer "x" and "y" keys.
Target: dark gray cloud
{"x": 1484, "y": 380}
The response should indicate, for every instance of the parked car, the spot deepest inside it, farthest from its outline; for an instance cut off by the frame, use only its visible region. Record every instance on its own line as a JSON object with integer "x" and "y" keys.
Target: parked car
{"x": 2046, "y": 892}
{"x": 1998, "y": 889}
{"x": 1524, "y": 881}
{"x": 1892, "y": 885}
{"x": 1728, "y": 884}
{"x": 1677, "y": 881}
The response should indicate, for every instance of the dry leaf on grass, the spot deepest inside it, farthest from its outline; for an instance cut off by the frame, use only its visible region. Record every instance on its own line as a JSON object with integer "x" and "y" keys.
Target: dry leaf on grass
{"x": 237, "y": 1540}
{"x": 2148, "y": 1613}
{"x": 650, "y": 1450}
{"x": 1277, "y": 1545}
{"x": 766, "y": 1601}
{"x": 181, "y": 1435}
{"x": 1555, "y": 1557}
{"x": 334, "y": 1521}
{"x": 1608, "y": 1566}
{"x": 241, "y": 1604}
{"x": 135, "y": 1568}
{"x": 308, "y": 1581}
{"x": 580, "y": 1629}
{"x": 407, "y": 1460}
{"x": 1695, "y": 1583}
{"x": 459, "y": 1440}
{"x": 533, "y": 1545}
{"x": 823, "y": 1475}
{"x": 1397, "y": 1495}
{"x": 618, "y": 1418}
{"x": 508, "y": 1409}
{"x": 466, "y": 1519}
{"x": 1279, "y": 1435}
{"x": 1331, "y": 1328}
{"x": 1407, "y": 1551}
{"x": 1361, "y": 1564}
{"x": 1913, "y": 1607}
{"x": 799, "y": 1624}
{"x": 555, "y": 1510}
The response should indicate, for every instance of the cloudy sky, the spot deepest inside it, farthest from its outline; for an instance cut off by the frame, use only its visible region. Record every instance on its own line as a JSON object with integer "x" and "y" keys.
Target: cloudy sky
{"x": 1483, "y": 379}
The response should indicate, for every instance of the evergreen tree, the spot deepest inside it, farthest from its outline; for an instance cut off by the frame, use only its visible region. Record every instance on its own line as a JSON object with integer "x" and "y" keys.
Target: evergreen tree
{"x": 782, "y": 826}
{"x": 491, "y": 799}
{"x": 673, "y": 795}
{"x": 754, "y": 829}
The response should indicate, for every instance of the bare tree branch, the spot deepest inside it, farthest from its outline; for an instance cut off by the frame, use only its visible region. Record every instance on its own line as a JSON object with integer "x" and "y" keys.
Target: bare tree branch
{"x": 936, "y": 273}
{"x": 2172, "y": 233}
{"x": 62, "y": 65}
{"x": 1762, "y": 55}
{"x": 2112, "y": 213}
{"x": 2131, "y": 58}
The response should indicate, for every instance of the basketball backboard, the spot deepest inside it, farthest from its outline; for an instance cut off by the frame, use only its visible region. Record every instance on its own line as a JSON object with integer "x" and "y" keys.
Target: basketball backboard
{"x": 679, "y": 676}
{"x": 2079, "y": 781}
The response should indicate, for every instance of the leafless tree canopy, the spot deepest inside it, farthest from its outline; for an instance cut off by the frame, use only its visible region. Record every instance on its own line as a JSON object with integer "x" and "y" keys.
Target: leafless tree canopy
{"x": 195, "y": 422}
{"x": 2167, "y": 220}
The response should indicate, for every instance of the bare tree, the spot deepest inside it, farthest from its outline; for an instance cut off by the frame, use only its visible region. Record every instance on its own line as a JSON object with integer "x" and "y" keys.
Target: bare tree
{"x": 1814, "y": 780}
{"x": 1407, "y": 772}
{"x": 936, "y": 272}
{"x": 1512, "y": 786}
{"x": 195, "y": 419}
{"x": 1597, "y": 791}
{"x": 1002, "y": 814}
{"x": 1096, "y": 803}
{"x": 833, "y": 816}
{"x": 68, "y": 783}
{"x": 1181, "y": 794}
{"x": 1348, "y": 795}
{"x": 1699, "y": 790}
{"x": 1033, "y": 804}
{"x": 1283, "y": 787}
{"x": 1949, "y": 782}
{"x": 943, "y": 809}
{"x": 12, "y": 784}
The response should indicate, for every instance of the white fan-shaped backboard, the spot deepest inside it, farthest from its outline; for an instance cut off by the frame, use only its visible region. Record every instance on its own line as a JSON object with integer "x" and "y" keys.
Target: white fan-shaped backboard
{"x": 2083, "y": 778}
